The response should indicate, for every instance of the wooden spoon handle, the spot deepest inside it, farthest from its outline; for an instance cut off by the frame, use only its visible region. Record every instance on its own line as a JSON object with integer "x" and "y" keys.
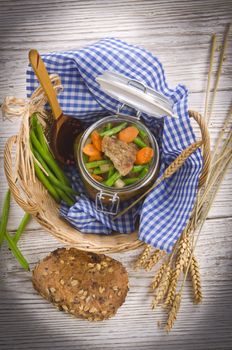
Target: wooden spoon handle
{"x": 43, "y": 77}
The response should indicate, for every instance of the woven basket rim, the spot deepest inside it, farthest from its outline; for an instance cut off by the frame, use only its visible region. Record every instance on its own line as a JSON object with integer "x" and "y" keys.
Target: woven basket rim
{"x": 29, "y": 193}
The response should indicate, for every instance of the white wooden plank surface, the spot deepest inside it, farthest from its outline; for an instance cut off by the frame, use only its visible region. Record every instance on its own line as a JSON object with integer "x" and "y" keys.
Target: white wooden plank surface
{"x": 178, "y": 33}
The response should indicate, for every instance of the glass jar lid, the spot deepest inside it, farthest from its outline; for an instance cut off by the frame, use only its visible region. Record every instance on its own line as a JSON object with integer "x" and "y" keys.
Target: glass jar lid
{"x": 135, "y": 94}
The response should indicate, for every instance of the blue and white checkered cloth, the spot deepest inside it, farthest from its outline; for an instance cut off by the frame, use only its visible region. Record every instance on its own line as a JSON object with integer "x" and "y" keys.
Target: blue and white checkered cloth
{"x": 166, "y": 210}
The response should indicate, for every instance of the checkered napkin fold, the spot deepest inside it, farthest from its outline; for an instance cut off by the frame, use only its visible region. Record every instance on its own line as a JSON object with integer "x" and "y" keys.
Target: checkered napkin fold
{"x": 165, "y": 211}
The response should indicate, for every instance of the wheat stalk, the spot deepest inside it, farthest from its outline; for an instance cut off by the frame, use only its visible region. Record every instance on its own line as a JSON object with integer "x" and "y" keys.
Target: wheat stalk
{"x": 196, "y": 280}
{"x": 183, "y": 257}
{"x": 171, "y": 292}
{"x": 181, "y": 254}
{"x": 153, "y": 259}
{"x": 183, "y": 251}
{"x": 222, "y": 58}
{"x": 223, "y": 157}
{"x": 221, "y": 134}
{"x": 203, "y": 218}
{"x": 158, "y": 277}
{"x": 141, "y": 261}
{"x": 213, "y": 183}
{"x": 204, "y": 201}
{"x": 212, "y": 53}
{"x": 173, "y": 312}
{"x": 163, "y": 287}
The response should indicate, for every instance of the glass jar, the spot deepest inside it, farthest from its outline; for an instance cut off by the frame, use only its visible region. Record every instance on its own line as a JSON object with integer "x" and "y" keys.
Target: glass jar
{"x": 143, "y": 99}
{"x": 107, "y": 199}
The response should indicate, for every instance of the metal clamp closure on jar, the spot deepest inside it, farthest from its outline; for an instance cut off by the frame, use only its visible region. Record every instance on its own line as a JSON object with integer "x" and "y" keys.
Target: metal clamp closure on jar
{"x": 112, "y": 208}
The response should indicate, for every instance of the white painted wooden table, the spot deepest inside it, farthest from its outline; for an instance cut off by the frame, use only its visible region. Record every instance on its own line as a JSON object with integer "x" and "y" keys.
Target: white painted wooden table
{"x": 178, "y": 32}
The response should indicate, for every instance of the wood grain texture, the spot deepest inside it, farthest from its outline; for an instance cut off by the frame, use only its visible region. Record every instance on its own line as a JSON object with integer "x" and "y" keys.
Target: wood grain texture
{"x": 179, "y": 34}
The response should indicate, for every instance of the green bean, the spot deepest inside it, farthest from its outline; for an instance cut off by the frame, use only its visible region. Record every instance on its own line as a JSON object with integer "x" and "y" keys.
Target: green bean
{"x": 5, "y": 215}
{"x": 85, "y": 158}
{"x": 108, "y": 126}
{"x": 61, "y": 188}
{"x": 39, "y": 131}
{"x": 46, "y": 183}
{"x": 96, "y": 164}
{"x": 65, "y": 197}
{"x": 139, "y": 142}
{"x": 51, "y": 176}
{"x": 21, "y": 227}
{"x": 114, "y": 130}
{"x": 131, "y": 180}
{"x": 142, "y": 133}
{"x": 111, "y": 171}
{"x": 16, "y": 252}
{"x": 33, "y": 121}
{"x": 98, "y": 171}
{"x": 137, "y": 168}
{"x": 48, "y": 158}
{"x": 143, "y": 172}
{"x": 110, "y": 182}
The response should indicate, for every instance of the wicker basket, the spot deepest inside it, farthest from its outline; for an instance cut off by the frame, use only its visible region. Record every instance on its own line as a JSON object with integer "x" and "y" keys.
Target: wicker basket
{"x": 30, "y": 194}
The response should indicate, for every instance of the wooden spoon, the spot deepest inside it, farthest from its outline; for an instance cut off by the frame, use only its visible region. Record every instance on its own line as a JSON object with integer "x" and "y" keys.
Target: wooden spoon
{"x": 64, "y": 128}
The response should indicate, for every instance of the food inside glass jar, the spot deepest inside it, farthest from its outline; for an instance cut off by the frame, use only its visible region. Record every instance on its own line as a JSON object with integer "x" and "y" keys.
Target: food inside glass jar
{"x": 118, "y": 154}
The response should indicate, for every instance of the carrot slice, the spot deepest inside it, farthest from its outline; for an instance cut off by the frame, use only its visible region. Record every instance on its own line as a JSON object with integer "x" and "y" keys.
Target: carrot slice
{"x": 90, "y": 150}
{"x": 96, "y": 157}
{"x": 96, "y": 140}
{"x": 128, "y": 134}
{"x": 144, "y": 155}
{"x": 97, "y": 177}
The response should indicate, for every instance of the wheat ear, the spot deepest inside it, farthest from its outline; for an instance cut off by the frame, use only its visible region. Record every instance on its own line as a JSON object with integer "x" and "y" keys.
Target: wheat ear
{"x": 142, "y": 259}
{"x": 153, "y": 259}
{"x": 171, "y": 292}
{"x": 162, "y": 289}
{"x": 173, "y": 312}
{"x": 196, "y": 280}
{"x": 158, "y": 277}
{"x": 182, "y": 258}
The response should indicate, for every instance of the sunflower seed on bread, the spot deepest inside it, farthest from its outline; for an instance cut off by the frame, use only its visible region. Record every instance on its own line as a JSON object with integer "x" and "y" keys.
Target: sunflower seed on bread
{"x": 88, "y": 285}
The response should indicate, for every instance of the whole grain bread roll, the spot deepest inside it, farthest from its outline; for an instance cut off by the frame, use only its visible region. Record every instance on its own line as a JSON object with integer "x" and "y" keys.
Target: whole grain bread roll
{"x": 88, "y": 285}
